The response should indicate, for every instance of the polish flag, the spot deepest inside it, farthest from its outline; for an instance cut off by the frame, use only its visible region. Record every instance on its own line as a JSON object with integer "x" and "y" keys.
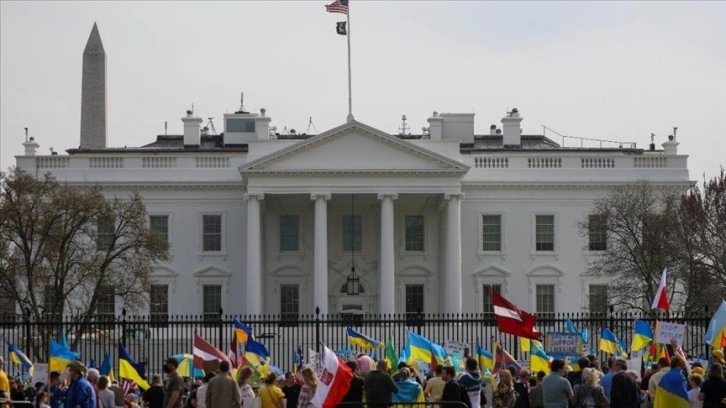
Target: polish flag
{"x": 203, "y": 351}
{"x": 661, "y": 299}
{"x": 333, "y": 383}
{"x": 513, "y": 320}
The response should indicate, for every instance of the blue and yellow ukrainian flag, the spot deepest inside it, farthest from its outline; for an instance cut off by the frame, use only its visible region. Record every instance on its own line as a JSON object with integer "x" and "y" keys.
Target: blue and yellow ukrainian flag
{"x": 106, "y": 367}
{"x": 361, "y": 340}
{"x": 256, "y": 353}
{"x": 716, "y": 332}
{"x": 486, "y": 358}
{"x": 129, "y": 369}
{"x": 610, "y": 343}
{"x": 671, "y": 391}
{"x": 60, "y": 357}
{"x": 242, "y": 331}
{"x": 642, "y": 335}
{"x": 539, "y": 361}
{"x": 419, "y": 348}
{"x": 571, "y": 328}
{"x": 19, "y": 358}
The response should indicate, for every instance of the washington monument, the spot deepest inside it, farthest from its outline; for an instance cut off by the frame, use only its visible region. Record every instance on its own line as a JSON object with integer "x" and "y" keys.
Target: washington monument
{"x": 93, "y": 94}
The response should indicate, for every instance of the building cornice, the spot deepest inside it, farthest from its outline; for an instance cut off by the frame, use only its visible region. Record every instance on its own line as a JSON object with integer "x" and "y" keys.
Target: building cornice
{"x": 353, "y": 172}
{"x": 568, "y": 185}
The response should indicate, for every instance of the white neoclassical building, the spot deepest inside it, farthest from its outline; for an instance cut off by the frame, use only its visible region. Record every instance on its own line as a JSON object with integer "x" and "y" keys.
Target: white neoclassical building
{"x": 262, "y": 222}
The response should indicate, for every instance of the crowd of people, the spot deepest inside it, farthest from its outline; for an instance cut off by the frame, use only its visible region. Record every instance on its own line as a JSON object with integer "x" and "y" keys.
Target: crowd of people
{"x": 607, "y": 385}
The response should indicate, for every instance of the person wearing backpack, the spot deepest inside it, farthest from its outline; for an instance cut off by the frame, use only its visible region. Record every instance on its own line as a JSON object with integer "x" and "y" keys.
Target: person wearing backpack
{"x": 588, "y": 393}
{"x": 453, "y": 392}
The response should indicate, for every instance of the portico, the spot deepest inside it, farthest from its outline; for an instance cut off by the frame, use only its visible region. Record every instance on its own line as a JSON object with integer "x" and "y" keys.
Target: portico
{"x": 326, "y": 171}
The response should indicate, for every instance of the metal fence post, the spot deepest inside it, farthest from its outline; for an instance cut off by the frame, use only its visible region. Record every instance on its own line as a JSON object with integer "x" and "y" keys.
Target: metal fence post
{"x": 27, "y": 330}
{"x": 220, "y": 342}
{"x": 317, "y": 328}
{"x": 123, "y": 327}
{"x": 419, "y": 321}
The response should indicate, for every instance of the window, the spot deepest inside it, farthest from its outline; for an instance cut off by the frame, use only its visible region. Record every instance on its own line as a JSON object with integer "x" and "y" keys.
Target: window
{"x": 597, "y": 232}
{"x": 289, "y": 302}
{"x": 160, "y": 225}
{"x": 598, "y": 301}
{"x": 106, "y": 230}
{"x": 240, "y": 126}
{"x": 289, "y": 233}
{"x": 106, "y": 304}
{"x": 352, "y": 233}
{"x": 159, "y": 303}
{"x": 487, "y": 301}
{"x": 211, "y": 233}
{"x": 546, "y": 300}
{"x": 491, "y": 229}
{"x": 545, "y": 232}
{"x": 212, "y": 302}
{"x": 415, "y": 233}
{"x": 7, "y": 309}
{"x": 51, "y": 311}
{"x": 414, "y": 298}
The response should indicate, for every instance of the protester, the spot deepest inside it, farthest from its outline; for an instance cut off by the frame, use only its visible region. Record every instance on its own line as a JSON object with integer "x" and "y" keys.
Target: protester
{"x": 354, "y": 397}
{"x": 131, "y": 400}
{"x": 694, "y": 381}
{"x": 624, "y": 388}
{"x": 435, "y": 385}
{"x": 55, "y": 392}
{"x": 92, "y": 375}
{"x": 222, "y": 391}
{"x": 556, "y": 390}
{"x": 588, "y": 393}
{"x": 244, "y": 376}
{"x": 4, "y": 382}
{"x": 365, "y": 363}
{"x": 536, "y": 399}
{"x": 202, "y": 390}
{"x": 662, "y": 368}
{"x": 452, "y": 390}
{"x": 174, "y": 384}
{"x": 521, "y": 387}
{"x": 717, "y": 357}
{"x": 713, "y": 390}
{"x": 191, "y": 400}
{"x": 154, "y": 396}
{"x": 106, "y": 396}
{"x": 379, "y": 386}
{"x": 504, "y": 394}
{"x": 575, "y": 377}
{"x": 80, "y": 392}
{"x": 271, "y": 396}
{"x": 291, "y": 389}
{"x": 307, "y": 392}
{"x": 606, "y": 381}
{"x": 409, "y": 391}
{"x": 472, "y": 382}
{"x": 41, "y": 400}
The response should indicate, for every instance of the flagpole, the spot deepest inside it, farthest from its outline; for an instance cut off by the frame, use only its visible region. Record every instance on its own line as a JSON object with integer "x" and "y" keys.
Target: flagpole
{"x": 350, "y": 87}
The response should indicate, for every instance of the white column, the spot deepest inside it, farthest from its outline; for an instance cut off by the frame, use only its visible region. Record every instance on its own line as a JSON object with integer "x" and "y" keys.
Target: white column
{"x": 320, "y": 261}
{"x": 386, "y": 288}
{"x": 452, "y": 278}
{"x": 254, "y": 254}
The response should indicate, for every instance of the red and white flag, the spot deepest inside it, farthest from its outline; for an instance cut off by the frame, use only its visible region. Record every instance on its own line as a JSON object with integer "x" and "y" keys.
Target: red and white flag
{"x": 661, "y": 298}
{"x": 232, "y": 354}
{"x": 333, "y": 383}
{"x": 513, "y": 320}
{"x": 203, "y": 351}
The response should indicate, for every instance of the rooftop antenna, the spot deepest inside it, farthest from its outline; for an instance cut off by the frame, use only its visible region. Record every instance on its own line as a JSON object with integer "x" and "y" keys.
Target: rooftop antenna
{"x": 311, "y": 125}
{"x": 192, "y": 108}
{"x": 675, "y": 130}
{"x": 404, "y": 126}
{"x": 242, "y": 103}
{"x": 652, "y": 138}
{"x": 166, "y": 126}
{"x": 210, "y": 125}
{"x": 26, "y": 134}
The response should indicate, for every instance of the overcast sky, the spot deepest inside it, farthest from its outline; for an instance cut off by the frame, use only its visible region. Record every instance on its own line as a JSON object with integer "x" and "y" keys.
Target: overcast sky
{"x": 606, "y": 70}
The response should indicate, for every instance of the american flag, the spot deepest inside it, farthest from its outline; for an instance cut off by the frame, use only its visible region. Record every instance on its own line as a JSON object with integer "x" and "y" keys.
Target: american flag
{"x": 127, "y": 385}
{"x": 338, "y": 6}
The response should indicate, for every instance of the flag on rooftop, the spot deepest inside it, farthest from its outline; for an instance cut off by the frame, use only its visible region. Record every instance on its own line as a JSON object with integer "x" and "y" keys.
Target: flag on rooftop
{"x": 511, "y": 319}
{"x": 661, "y": 297}
{"x": 361, "y": 340}
{"x": 338, "y": 6}
{"x": 716, "y": 333}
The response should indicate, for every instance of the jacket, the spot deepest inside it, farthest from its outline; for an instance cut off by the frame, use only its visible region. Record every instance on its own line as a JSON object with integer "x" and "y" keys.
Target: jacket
{"x": 80, "y": 394}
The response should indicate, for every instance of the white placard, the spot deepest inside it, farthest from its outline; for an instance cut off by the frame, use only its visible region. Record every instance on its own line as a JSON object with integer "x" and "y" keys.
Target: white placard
{"x": 40, "y": 373}
{"x": 666, "y": 332}
{"x": 635, "y": 361}
{"x": 454, "y": 347}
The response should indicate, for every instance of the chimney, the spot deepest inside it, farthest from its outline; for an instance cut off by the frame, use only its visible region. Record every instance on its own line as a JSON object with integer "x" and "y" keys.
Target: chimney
{"x": 510, "y": 128}
{"x": 31, "y": 147}
{"x": 191, "y": 129}
{"x": 262, "y": 125}
{"x": 492, "y": 130}
{"x": 670, "y": 148}
{"x": 435, "y": 126}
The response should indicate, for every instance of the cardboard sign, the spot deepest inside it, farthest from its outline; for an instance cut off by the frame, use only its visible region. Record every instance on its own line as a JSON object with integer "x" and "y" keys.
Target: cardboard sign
{"x": 665, "y": 332}
{"x": 455, "y": 347}
{"x": 40, "y": 373}
{"x": 563, "y": 345}
{"x": 210, "y": 366}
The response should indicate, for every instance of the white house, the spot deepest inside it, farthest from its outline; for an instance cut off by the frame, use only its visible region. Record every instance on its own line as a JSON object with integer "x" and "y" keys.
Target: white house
{"x": 260, "y": 222}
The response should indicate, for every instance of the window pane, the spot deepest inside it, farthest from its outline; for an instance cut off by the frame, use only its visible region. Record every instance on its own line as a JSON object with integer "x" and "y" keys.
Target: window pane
{"x": 415, "y": 233}
{"x": 159, "y": 224}
{"x": 487, "y": 301}
{"x": 597, "y": 231}
{"x": 212, "y": 233}
{"x": 106, "y": 304}
{"x": 212, "y": 300}
{"x": 51, "y": 311}
{"x": 159, "y": 305}
{"x": 491, "y": 232}
{"x": 414, "y": 298}
{"x": 546, "y": 299}
{"x": 598, "y": 299}
{"x": 240, "y": 125}
{"x": 289, "y": 233}
{"x": 545, "y": 232}
{"x": 105, "y": 233}
{"x": 289, "y": 299}
{"x": 352, "y": 233}
{"x": 7, "y": 309}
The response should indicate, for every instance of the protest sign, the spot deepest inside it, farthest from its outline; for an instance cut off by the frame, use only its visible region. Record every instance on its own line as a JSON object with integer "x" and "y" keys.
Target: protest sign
{"x": 562, "y": 345}
{"x": 40, "y": 373}
{"x": 455, "y": 347}
{"x": 666, "y": 332}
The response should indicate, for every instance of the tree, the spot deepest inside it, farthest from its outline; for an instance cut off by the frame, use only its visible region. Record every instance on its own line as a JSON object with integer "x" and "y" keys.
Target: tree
{"x": 640, "y": 223}
{"x": 64, "y": 248}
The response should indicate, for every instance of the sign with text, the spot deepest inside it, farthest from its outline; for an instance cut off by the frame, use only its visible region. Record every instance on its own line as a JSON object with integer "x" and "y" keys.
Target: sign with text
{"x": 666, "y": 332}
{"x": 562, "y": 345}
{"x": 40, "y": 373}
{"x": 455, "y": 347}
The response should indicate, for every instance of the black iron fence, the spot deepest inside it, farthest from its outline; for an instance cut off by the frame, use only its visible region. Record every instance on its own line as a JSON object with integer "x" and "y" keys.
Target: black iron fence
{"x": 151, "y": 339}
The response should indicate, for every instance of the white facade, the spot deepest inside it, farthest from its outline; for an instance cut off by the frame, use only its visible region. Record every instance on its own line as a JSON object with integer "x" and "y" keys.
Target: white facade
{"x": 462, "y": 184}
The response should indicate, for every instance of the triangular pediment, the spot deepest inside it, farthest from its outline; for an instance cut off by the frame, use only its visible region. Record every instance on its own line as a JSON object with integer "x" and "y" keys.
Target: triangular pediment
{"x": 358, "y": 148}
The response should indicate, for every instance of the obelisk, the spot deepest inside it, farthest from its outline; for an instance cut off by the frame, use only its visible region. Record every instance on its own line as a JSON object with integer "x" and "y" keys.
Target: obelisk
{"x": 93, "y": 94}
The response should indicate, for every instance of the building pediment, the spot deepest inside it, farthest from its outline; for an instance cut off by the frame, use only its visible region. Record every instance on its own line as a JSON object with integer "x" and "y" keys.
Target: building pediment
{"x": 354, "y": 148}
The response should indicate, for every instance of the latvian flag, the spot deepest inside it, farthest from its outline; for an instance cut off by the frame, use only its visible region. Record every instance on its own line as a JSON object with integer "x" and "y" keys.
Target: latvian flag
{"x": 513, "y": 320}
{"x": 333, "y": 383}
{"x": 203, "y": 351}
